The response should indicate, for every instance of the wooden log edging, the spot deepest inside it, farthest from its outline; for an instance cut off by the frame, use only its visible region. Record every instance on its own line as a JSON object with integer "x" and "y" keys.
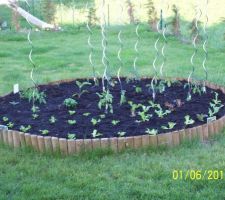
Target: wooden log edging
{"x": 42, "y": 144}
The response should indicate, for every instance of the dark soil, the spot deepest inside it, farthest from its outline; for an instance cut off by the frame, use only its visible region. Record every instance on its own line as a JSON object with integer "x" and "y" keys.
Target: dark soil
{"x": 174, "y": 99}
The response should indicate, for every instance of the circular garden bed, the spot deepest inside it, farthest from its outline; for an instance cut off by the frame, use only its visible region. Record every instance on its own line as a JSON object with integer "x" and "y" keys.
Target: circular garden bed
{"x": 79, "y": 114}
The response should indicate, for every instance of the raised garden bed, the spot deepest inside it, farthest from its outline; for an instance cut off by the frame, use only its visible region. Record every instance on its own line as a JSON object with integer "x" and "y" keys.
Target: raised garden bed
{"x": 76, "y": 112}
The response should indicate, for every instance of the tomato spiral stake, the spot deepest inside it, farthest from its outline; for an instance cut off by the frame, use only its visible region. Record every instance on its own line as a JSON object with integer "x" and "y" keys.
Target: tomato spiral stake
{"x": 91, "y": 48}
{"x": 165, "y": 41}
{"x": 197, "y": 18}
{"x": 105, "y": 60}
{"x": 136, "y": 46}
{"x": 119, "y": 51}
{"x": 205, "y": 44}
{"x": 154, "y": 79}
{"x": 30, "y": 56}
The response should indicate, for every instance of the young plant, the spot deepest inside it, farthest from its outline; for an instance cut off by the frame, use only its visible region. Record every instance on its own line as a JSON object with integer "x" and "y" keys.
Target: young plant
{"x": 35, "y": 116}
{"x": 95, "y": 133}
{"x": 71, "y": 112}
{"x": 122, "y": 97}
{"x": 71, "y": 136}
{"x": 201, "y": 117}
{"x": 160, "y": 113}
{"x": 33, "y": 94}
{"x": 86, "y": 114}
{"x": 72, "y": 122}
{"x": 153, "y": 105}
{"x": 134, "y": 107}
{"x": 70, "y": 103}
{"x": 151, "y": 131}
{"x": 215, "y": 106}
{"x": 5, "y": 119}
{"x": 52, "y": 120}
{"x": 102, "y": 116}
{"x": 170, "y": 126}
{"x": 10, "y": 125}
{"x": 95, "y": 121}
{"x": 81, "y": 86}
{"x": 121, "y": 134}
{"x": 105, "y": 100}
{"x": 138, "y": 89}
{"x": 188, "y": 120}
{"x": 145, "y": 117}
{"x": 25, "y": 129}
{"x": 44, "y": 132}
{"x": 115, "y": 122}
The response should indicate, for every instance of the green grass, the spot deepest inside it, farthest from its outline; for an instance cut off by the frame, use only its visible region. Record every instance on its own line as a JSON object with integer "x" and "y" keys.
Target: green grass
{"x": 143, "y": 174}
{"x": 61, "y": 55}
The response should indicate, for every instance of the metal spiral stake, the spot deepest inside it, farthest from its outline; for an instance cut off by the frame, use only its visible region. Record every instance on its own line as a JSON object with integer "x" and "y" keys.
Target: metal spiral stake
{"x": 197, "y": 17}
{"x": 204, "y": 46}
{"x": 105, "y": 60}
{"x": 136, "y": 47}
{"x": 91, "y": 49}
{"x": 30, "y": 56}
{"x": 154, "y": 79}
{"x": 119, "y": 53}
{"x": 164, "y": 30}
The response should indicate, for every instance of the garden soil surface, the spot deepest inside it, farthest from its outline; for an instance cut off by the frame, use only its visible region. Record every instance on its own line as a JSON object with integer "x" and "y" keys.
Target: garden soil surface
{"x": 174, "y": 98}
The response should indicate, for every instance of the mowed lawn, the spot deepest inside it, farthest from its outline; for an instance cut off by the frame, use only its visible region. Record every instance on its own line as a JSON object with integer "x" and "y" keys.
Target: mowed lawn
{"x": 142, "y": 174}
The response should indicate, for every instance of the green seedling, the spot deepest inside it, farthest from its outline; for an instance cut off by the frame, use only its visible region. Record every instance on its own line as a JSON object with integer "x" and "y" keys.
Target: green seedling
{"x": 70, "y": 103}
{"x": 95, "y": 121}
{"x": 44, "y": 132}
{"x": 81, "y": 86}
{"x": 188, "y": 120}
{"x": 151, "y": 131}
{"x": 25, "y": 129}
{"x": 72, "y": 122}
{"x": 121, "y": 134}
{"x": 95, "y": 133}
{"x": 170, "y": 126}
{"x": 71, "y": 136}
{"x": 52, "y": 120}
{"x": 115, "y": 122}
{"x": 105, "y": 100}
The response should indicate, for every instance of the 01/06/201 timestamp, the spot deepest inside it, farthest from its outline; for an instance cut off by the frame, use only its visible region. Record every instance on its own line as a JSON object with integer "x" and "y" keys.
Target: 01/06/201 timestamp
{"x": 197, "y": 174}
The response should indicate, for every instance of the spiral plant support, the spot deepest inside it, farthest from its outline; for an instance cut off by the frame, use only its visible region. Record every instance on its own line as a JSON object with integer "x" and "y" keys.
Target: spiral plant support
{"x": 30, "y": 57}
{"x": 105, "y": 60}
{"x": 194, "y": 42}
{"x": 120, "y": 50}
{"x": 205, "y": 44}
{"x": 91, "y": 48}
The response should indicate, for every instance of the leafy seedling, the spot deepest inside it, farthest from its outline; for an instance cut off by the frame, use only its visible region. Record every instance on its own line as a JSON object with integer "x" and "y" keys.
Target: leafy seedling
{"x": 44, "y": 132}
{"x": 71, "y": 112}
{"x": 72, "y": 122}
{"x": 143, "y": 114}
{"x": 10, "y": 125}
{"x": 52, "y": 120}
{"x": 70, "y": 103}
{"x": 34, "y": 95}
{"x": 95, "y": 121}
{"x": 201, "y": 117}
{"x": 160, "y": 112}
{"x": 5, "y": 119}
{"x": 138, "y": 89}
{"x": 151, "y": 131}
{"x": 170, "y": 126}
{"x": 35, "y": 116}
{"x": 122, "y": 97}
{"x": 25, "y": 129}
{"x": 121, "y": 134}
{"x": 105, "y": 100}
{"x": 71, "y": 136}
{"x": 134, "y": 107}
{"x": 95, "y": 133}
{"x": 86, "y": 114}
{"x": 81, "y": 86}
{"x": 115, "y": 122}
{"x": 188, "y": 120}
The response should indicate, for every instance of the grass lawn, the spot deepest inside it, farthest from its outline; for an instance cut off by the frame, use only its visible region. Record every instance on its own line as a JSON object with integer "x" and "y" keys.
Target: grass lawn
{"x": 142, "y": 174}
